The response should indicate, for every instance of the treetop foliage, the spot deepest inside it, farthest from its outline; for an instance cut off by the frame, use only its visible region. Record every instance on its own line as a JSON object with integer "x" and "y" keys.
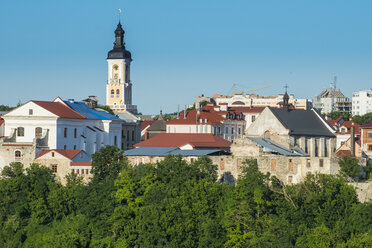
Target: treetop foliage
{"x": 174, "y": 203}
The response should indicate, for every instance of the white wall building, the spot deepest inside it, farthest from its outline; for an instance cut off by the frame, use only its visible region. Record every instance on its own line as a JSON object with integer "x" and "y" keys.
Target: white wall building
{"x": 362, "y": 102}
{"x": 62, "y": 125}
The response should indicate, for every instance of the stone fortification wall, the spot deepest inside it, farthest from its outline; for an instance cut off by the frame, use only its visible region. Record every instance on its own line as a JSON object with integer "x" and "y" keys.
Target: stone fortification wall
{"x": 364, "y": 191}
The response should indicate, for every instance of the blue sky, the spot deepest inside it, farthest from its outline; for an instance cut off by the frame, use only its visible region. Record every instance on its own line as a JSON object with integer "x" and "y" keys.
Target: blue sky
{"x": 182, "y": 49}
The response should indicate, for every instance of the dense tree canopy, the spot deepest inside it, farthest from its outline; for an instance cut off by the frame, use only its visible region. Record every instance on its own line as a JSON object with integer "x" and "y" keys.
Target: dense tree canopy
{"x": 177, "y": 204}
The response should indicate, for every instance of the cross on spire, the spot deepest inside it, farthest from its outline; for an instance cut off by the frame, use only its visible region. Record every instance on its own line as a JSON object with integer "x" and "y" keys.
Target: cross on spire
{"x": 286, "y": 87}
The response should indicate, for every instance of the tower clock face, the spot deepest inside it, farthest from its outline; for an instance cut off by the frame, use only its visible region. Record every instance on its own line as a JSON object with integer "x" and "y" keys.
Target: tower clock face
{"x": 115, "y": 67}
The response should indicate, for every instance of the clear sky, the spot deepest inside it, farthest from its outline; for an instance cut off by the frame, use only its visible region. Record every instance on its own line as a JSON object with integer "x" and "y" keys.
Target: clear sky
{"x": 182, "y": 49}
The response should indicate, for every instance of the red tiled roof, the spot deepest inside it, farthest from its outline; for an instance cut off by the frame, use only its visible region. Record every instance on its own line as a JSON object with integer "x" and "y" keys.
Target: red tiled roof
{"x": 59, "y": 109}
{"x": 247, "y": 109}
{"x": 80, "y": 163}
{"x": 208, "y": 113}
{"x": 70, "y": 154}
{"x": 348, "y": 125}
{"x": 181, "y": 139}
{"x": 145, "y": 124}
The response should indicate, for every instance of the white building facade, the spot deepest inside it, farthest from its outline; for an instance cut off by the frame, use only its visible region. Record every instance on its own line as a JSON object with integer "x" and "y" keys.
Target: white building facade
{"x": 362, "y": 102}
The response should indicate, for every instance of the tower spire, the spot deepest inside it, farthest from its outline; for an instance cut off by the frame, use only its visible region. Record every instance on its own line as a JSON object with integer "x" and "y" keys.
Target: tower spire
{"x": 286, "y": 99}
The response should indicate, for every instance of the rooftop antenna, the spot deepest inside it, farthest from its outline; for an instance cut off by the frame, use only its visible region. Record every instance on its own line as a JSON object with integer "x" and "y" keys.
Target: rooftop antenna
{"x": 333, "y": 90}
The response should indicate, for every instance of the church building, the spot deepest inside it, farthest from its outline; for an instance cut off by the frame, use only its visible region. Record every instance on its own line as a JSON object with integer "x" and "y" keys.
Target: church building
{"x": 119, "y": 86}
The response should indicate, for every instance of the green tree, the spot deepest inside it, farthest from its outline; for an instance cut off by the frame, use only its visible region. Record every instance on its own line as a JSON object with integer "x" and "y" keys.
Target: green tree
{"x": 349, "y": 166}
{"x": 108, "y": 162}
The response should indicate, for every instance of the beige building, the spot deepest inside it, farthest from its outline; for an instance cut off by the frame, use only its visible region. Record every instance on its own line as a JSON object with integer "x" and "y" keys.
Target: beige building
{"x": 254, "y": 100}
{"x": 64, "y": 162}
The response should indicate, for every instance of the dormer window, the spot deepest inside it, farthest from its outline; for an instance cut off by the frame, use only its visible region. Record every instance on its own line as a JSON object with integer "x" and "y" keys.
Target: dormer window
{"x": 30, "y": 112}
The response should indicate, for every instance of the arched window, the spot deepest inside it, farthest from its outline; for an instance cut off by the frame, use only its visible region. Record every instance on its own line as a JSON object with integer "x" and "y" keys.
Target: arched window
{"x": 17, "y": 156}
{"x": 117, "y": 93}
{"x": 38, "y": 132}
{"x": 267, "y": 134}
{"x": 112, "y": 93}
{"x": 20, "y": 131}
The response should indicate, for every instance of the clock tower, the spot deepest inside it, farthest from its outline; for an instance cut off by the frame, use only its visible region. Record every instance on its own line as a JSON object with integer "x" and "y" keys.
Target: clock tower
{"x": 119, "y": 86}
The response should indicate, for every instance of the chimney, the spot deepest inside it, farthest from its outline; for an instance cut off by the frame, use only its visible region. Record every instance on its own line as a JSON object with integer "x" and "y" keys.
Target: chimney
{"x": 352, "y": 141}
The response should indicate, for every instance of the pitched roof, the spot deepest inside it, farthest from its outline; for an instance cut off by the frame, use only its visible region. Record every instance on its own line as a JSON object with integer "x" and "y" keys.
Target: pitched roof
{"x": 181, "y": 139}
{"x": 89, "y": 113}
{"x": 145, "y": 124}
{"x": 271, "y": 146}
{"x": 348, "y": 125}
{"x": 70, "y": 154}
{"x": 59, "y": 109}
{"x": 247, "y": 109}
{"x": 165, "y": 151}
{"x": 158, "y": 125}
{"x": 302, "y": 122}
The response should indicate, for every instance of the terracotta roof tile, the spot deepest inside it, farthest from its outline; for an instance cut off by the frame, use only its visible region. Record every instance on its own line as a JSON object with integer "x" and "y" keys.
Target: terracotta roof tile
{"x": 60, "y": 109}
{"x": 181, "y": 139}
{"x": 70, "y": 154}
{"x": 145, "y": 124}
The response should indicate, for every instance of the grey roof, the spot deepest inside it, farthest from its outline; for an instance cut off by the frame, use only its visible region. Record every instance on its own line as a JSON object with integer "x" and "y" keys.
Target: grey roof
{"x": 158, "y": 125}
{"x": 303, "y": 122}
{"x": 327, "y": 93}
{"x": 271, "y": 146}
{"x": 128, "y": 117}
{"x": 165, "y": 151}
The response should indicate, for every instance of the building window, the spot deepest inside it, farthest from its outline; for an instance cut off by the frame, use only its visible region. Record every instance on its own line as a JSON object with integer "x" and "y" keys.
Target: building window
{"x": 370, "y": 135}
{"x": 253, "y": 118}
{"x": 75, "y": 133}
{"x": 17, "y": 156}
{"x": 369, "y": 147}
{"x": 112, "y": 93}
{"x": 72, "y": 171}
{"x": 133, "y": 135}
{"x": 54, "y": 168}
{"x": 64, "y": 147}
{"x": 38, "y": 132}
{"x": 115, "y": 140}
{"x": 20, "y": 132}
{"x": 52, "y": 154}
{"x": 308, "y": 164}
{"x": 128, "y": 135}
{"x": 232, "y": 130}
{"x": 227, "y": 130}
{"x": 74, "y": 147}
{"x": 30, "y": 112}
{"x": 65, "y": 132}
{"x": 290, "y": 179}
{"x": 86, "y": 171}
{"x": 117, "y": 93}
{"x": 273, "y": 164}
{"x": 321, "y": 162}
{"x": 77, "y": 171}
{"x": 82, "y": 171}
{"x": 290, "y": 165}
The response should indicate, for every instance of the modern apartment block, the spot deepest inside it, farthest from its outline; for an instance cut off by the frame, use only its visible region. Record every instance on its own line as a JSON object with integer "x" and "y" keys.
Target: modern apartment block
{"x": 362, "y": 102}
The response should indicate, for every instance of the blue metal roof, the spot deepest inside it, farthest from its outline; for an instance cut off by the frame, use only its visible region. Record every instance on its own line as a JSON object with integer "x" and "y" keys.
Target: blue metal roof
{"x": 271, "y": 146}
{"x": 89, "y": 113}
{"x": 165, "y": 151}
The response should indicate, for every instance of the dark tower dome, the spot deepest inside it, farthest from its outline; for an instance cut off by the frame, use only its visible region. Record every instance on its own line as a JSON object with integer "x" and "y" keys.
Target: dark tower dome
{"x": 119, "y": 51}
{"x": 286, "y": 101}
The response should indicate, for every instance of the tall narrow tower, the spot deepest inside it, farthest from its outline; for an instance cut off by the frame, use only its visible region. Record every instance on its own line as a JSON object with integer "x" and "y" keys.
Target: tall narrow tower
{"x": 119, "y": 86}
